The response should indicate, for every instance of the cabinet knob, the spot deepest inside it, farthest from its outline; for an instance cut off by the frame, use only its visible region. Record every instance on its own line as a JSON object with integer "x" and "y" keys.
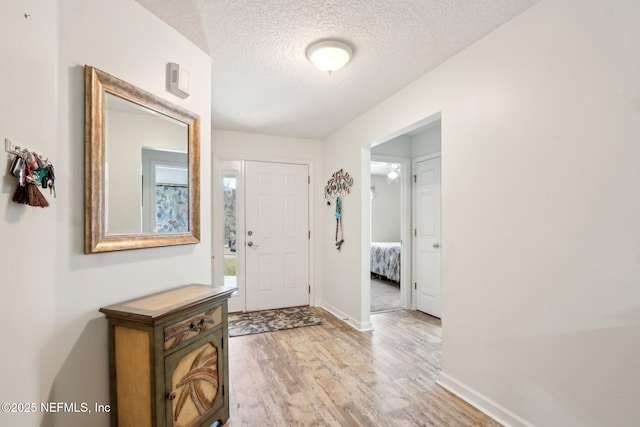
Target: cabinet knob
{"x": 171, "y": 395}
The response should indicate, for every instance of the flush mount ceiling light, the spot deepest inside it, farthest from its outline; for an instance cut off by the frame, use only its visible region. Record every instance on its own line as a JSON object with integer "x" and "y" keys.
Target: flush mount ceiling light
{"x": 329, "y": 55}
{"x": 394, "y": 172}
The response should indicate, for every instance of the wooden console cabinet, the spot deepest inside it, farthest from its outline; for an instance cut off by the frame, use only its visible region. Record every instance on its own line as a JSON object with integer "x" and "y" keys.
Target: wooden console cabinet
{"x": 168, "y": 358}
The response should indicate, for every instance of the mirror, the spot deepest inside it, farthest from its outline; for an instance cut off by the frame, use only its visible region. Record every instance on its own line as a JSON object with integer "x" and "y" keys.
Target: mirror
{"x": 142, "y": 168}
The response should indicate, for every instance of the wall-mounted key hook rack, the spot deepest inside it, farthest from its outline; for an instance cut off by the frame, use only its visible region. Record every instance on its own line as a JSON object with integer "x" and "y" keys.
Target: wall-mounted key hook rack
{"x": 33, "y": 170}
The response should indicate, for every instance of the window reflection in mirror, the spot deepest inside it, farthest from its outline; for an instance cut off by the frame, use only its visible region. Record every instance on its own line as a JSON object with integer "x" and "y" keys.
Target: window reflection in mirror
{"x": 230, "y": 219}
{"x": 165, "y": 191}
{"x": 146, "y": 170}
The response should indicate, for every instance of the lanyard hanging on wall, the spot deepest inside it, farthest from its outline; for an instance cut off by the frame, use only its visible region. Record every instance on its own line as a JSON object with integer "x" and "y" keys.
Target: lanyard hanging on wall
{"x": 339, "y": 223}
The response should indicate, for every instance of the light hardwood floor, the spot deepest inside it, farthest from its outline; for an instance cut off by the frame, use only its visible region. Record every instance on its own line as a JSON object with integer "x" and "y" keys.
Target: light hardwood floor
{"x": 332, "y": 375}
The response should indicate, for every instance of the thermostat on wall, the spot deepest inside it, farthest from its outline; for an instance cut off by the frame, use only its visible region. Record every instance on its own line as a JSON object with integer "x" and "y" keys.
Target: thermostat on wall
{"x": 178, "y": 80}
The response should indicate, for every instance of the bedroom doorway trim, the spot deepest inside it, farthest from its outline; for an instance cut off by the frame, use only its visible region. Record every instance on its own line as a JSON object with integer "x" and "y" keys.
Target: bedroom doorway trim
{"x": 405, "y": 225}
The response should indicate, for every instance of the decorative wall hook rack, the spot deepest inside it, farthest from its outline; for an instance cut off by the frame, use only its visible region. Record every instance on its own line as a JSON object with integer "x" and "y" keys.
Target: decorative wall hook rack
{"x": 338, "y": 185}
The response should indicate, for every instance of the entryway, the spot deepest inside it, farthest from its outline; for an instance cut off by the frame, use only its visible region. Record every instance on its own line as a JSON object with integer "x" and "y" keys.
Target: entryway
{"x": 265, "y": 217}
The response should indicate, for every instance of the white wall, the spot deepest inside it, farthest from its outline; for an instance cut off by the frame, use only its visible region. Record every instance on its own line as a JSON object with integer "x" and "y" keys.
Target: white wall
{"x": 56, "y": 347}
{"x": 343, "y": 289}
{"x": 541, "y": 261}
{"x": 397, "y": 147}
{"x": 426, "y": 142}
{"x": 385, "y": 210}
{"x": 250, "y": 146}
{"x": 28, "y": 236}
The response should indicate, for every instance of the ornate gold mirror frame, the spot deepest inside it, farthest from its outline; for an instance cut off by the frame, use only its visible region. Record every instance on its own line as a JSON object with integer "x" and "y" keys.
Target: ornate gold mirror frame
{"x": 97, "y": 85}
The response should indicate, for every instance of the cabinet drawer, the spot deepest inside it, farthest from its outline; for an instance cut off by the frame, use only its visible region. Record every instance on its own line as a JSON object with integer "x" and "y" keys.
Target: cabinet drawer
{"x": 189, "y": 328}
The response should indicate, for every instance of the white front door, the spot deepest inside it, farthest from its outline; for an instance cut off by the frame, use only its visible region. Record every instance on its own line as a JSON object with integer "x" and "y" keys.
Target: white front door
{"x": 276, "y": 235}
{"x": 427, "y": 236}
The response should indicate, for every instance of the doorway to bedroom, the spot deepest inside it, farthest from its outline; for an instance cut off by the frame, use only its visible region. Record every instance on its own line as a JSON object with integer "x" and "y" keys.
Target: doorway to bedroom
{"x": 387, "y": 207}
{"x": 402, "y": 275}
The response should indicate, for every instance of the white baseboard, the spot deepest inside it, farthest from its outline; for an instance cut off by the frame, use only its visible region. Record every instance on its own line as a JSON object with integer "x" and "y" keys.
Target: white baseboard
{"x": 481, "y": 402}
{"x": 355, "y": 324}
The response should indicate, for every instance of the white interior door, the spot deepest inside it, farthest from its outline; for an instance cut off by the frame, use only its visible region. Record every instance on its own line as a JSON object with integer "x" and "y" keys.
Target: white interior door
{"x": 276, "y": 235}
{"x": 427, "y": 236}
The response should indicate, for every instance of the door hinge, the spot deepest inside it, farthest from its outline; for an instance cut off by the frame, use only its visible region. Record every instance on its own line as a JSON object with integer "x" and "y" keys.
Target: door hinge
{"x": 415, "y": 232}
{"x": 309, "y": 233}
{"x": 223, "y": 389}
{"x": 415, "y": 285}
{"x": 222, "y": 344}
{"x": 308, "y": 179}
{"x": 415, "y": 178}
{"x": 309, "y": 289}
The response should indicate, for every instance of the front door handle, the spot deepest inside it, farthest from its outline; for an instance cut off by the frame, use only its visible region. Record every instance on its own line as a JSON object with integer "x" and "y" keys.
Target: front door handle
{"x": 251, "y": 244}
{"x": 436, "y": 245}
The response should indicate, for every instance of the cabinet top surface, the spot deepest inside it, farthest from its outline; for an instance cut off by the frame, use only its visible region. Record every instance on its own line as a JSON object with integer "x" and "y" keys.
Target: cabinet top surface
{"x": 156, "y": 306}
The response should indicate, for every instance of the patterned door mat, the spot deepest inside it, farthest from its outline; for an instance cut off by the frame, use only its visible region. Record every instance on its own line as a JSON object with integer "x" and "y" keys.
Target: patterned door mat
{"x": 257, "y": 322}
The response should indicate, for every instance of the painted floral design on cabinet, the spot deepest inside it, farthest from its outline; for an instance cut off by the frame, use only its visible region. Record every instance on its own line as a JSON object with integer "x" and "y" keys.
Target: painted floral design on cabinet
{"x": 195, "y": 382}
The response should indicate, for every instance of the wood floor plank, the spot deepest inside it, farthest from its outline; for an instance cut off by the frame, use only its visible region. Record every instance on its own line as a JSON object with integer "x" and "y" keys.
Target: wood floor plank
{"x": 333, "y": 375}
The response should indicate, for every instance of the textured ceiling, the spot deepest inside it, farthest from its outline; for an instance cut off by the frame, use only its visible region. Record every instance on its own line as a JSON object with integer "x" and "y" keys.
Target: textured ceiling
{"x": 262, "y": 81}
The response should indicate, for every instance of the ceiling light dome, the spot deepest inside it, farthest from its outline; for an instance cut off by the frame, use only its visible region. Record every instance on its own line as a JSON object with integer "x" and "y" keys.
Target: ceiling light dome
{"x": 329, "y": 55}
